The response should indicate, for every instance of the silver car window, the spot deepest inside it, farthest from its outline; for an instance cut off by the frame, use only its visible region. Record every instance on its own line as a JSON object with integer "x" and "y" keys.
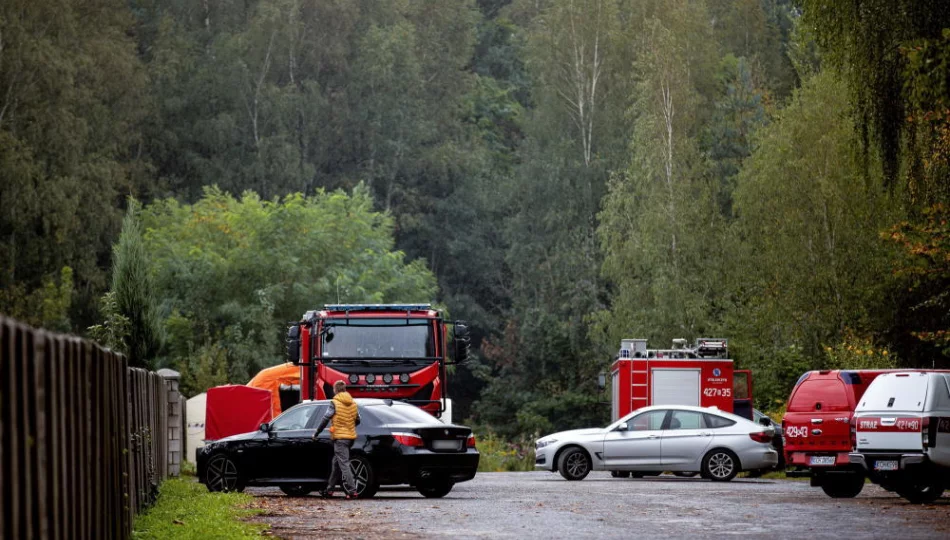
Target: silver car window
{"x": 647, "y": 421}
{"x": 686, "y": 420}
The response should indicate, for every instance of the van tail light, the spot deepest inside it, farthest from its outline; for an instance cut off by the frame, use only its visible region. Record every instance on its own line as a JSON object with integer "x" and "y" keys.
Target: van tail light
{"x": 854, "y": 432}
{"x": 470, "y": 442}
{"x": 761, "y": 436}
{"x": 408, "y": 439}
{"x": 928, "y": 436}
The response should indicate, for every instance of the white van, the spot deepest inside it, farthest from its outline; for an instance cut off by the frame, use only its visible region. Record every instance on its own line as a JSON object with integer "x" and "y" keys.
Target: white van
{"x": 901, "y": 432}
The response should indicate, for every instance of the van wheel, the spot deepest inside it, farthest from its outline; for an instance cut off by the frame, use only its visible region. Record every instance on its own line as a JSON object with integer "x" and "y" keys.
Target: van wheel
{"x": 574, "y": 464}
{"x": 721, "y": 465}
{"x": 921, "y": 490}
{"x": 843, "y": 486}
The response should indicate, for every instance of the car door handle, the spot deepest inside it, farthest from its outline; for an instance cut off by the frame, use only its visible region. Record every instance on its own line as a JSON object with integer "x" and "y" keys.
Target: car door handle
{"x": 653, "y": 436}
{"x": 705, "y": 434}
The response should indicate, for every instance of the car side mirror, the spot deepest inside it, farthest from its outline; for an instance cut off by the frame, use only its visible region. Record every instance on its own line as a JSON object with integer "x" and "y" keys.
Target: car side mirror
{"x": 623, "y": 427}
{"x": 265, "y": 427}
{"x": 765, "y": 421}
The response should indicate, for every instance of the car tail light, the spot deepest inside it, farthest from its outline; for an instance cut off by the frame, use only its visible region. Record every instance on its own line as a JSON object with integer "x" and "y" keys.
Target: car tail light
{"x": 408, "y": 439}
{"x": 854, "y": 432}
{"x": 470, "y": 443}
{"x": 761, "y": 436}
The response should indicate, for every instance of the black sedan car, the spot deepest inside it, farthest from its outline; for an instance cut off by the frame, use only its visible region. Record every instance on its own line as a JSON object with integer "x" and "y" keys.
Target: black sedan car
{"x": 396, "y": 444}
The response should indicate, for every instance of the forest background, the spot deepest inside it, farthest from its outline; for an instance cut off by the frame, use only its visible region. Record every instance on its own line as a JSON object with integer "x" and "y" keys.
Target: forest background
{"x": 179, "y": 179}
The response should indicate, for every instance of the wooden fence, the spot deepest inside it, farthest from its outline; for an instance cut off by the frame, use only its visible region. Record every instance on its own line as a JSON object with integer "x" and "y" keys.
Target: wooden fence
{"x": 84, "y": 437}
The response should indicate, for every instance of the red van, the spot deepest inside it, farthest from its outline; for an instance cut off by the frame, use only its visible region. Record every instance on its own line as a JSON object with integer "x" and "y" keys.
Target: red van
{"x": 817, "y": 429}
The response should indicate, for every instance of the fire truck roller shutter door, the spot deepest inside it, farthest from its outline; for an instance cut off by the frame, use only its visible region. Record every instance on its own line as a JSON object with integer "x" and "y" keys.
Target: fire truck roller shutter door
{"x": 675, "y": 386}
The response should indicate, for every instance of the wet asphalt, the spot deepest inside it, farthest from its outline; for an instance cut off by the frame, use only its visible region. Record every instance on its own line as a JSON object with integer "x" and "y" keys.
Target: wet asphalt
{"x": 543, "y": 505}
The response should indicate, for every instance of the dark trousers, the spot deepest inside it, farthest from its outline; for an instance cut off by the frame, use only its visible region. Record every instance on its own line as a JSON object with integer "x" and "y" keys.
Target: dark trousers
{"x": 341, "y": 463}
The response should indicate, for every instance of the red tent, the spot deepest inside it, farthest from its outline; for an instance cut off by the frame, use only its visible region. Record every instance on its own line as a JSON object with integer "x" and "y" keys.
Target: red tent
{"x": 234, "y": 409}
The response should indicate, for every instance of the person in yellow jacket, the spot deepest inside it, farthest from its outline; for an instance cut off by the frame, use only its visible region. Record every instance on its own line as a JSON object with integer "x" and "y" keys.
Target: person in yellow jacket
{"x": 345, "y": 416}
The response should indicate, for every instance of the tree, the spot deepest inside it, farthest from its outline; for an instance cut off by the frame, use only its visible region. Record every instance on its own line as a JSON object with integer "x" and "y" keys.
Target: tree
{"x": 812, "y": 269}
{"x": 134, "y": 294}
{"x": 231, "y": 272}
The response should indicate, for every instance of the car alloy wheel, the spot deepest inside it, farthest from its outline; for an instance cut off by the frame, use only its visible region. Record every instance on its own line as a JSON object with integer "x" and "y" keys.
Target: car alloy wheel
{"x": 364, "y": 477}
{"x": 574, "y": 464}
{"x": 222, "y": 474}
{"x": 721, "y": 465}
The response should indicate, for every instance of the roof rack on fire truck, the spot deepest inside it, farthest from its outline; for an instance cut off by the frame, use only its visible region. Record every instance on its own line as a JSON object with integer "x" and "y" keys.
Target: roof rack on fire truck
{"x": 704, "y": 348}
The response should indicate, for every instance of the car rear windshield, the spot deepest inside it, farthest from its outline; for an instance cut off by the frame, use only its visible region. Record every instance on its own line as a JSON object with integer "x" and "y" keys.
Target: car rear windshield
{"x": 398, "y": 413}
{"x": 903, "y": 392}
{"x": 820, "y": 395}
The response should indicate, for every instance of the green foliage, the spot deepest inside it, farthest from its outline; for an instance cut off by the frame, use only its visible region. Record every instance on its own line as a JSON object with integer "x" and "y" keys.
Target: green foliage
{"x": 114, "y": 330}
{"x": 46, "y": 307}
{"x": 232, "y": 272}
{"x": 499, "y": 455}
{"x": 134, "y": 294}
{"x": 73, "y": 96}
{"x": 855, "y": 352}
{"x": 186, "y": 509}
{"x": 811, "y": 263}
{"x": 866, "y": 41}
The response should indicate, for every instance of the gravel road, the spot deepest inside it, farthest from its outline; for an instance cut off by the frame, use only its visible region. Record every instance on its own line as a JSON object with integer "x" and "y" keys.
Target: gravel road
{"x": 543, "y": 505}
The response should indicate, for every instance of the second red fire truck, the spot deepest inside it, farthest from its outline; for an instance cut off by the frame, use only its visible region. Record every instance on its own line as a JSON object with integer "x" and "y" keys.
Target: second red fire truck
{"x": 700, "y": 375}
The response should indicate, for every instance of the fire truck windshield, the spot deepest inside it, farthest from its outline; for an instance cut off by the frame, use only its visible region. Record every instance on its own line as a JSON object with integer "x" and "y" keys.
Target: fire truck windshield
{"x": 379, "y": 338}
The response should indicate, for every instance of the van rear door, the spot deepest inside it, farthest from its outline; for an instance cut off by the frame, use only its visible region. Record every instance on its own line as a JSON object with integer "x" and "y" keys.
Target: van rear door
{"x": 889, "y": 415}
{"x": 818, "y": 416}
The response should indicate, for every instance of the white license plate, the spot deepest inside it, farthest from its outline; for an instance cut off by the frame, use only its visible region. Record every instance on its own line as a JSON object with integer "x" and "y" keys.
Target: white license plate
{"x": 445, "y": 445}
{"x": 886, "y": 465}
{"x": 821, "y": 460}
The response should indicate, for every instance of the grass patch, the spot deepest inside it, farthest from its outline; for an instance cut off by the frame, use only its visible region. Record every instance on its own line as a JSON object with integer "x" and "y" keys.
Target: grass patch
{"x": 777, "y": 475}
{"x": 186, "y": 509}
{"x": 499, "y": 455}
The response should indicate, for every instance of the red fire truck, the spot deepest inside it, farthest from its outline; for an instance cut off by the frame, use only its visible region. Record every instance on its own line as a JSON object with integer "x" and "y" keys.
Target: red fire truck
{"x": 701, "y": 375}
{"x": 395, "y": 351}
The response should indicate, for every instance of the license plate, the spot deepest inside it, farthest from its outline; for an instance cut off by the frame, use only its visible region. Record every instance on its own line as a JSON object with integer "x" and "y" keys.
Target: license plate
{"x": 886, "y": 465}
{"x": 445, "y": 445}
{"x": 822, "y": 460}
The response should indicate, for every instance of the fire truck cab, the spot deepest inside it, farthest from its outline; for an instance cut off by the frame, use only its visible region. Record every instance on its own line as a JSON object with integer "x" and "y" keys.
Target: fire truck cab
{"x": 701, "y": 375}
{"x": 395, "y": 351}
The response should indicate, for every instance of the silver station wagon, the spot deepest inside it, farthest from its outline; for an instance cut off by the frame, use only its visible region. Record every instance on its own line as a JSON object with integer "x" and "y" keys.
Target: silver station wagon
{"x": 681, "y": 439}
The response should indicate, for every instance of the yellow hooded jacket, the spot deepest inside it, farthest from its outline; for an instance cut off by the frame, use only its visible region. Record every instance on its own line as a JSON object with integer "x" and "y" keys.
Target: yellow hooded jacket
{"x": 344, "y": 419}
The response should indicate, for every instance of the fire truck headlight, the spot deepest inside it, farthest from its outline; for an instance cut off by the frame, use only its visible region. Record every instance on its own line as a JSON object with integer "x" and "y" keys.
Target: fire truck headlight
{"x": 370, "y": 379}
{"x": 388, "y": 378}
{"x": 354, "y": 378}
{"x": 544, "y": 442}
{"x": 404, "y": 378}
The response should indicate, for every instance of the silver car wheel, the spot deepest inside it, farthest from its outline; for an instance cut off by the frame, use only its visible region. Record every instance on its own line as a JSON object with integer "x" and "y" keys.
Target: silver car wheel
{"x": 577, "y": 464}
{"x": 222, "y": 474}
{"x": 721, "y": 465}
{"x": 360, "y": 475}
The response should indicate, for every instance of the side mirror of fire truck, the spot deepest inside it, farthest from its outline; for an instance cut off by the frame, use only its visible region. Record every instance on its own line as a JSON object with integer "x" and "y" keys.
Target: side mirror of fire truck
{"x": 462, "y": 341}
{"x": 293, "y": 344}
